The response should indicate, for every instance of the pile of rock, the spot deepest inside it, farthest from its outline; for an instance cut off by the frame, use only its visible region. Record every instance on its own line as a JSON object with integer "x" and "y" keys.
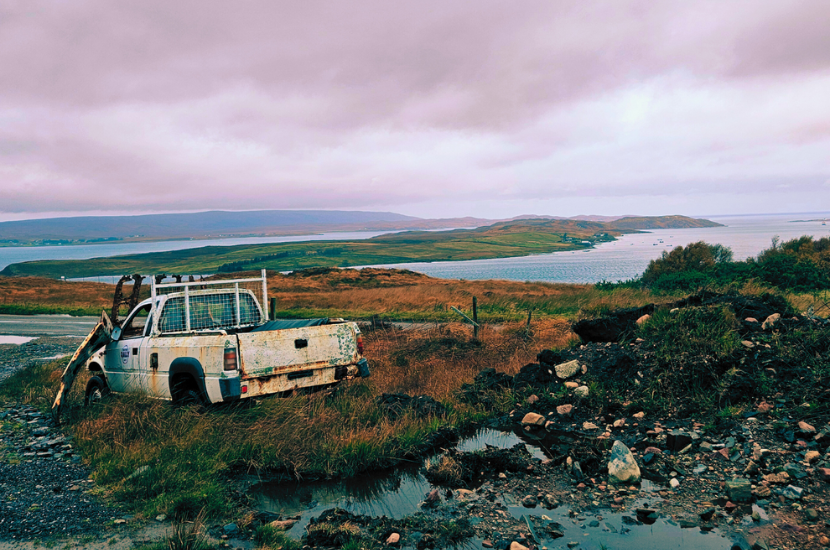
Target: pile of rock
{"x": 30, "y": 435}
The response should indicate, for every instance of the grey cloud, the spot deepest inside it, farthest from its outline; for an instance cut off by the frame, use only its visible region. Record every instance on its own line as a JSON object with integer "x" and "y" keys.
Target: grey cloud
{"x": 194, "y": 104}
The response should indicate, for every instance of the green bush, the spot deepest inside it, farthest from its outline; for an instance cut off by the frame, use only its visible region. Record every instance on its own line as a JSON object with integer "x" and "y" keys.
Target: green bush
{"x": 799, "y": 265}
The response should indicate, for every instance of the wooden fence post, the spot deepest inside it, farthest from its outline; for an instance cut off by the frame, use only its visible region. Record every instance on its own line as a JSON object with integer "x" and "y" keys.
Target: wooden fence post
{"x": 273, "y": 308}
{"x": 475, "y": 318}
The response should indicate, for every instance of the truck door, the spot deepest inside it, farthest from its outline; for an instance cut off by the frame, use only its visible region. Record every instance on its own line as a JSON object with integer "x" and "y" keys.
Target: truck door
{"x": 123, "y": 359}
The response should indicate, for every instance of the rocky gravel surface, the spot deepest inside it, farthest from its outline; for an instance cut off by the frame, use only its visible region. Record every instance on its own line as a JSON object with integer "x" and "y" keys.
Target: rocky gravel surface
{"x": 44, "y": 488}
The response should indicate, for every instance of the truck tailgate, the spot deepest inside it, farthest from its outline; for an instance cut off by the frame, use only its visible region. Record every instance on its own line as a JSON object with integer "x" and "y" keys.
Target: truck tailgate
{"x": 266, "y": 353}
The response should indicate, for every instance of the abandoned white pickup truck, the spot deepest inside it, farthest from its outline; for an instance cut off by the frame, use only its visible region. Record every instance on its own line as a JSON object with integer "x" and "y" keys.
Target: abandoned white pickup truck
{"x": 211, "y": 342}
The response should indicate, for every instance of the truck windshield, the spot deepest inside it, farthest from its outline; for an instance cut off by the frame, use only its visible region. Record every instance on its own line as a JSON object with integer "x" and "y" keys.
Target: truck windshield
{"x": 209, "y": 311}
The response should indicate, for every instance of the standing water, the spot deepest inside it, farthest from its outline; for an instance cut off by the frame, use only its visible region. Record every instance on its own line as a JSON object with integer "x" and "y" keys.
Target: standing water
{"x": 399, "y": 493}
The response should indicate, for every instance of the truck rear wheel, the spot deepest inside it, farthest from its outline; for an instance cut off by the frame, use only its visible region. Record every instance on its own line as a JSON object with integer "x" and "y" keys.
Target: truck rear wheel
{"x": 185, "y": 392}
{"x": 96, "y": 390}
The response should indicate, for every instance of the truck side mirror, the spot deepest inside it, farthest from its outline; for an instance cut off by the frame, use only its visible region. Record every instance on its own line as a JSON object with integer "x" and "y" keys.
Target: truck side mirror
{"x": 116, "y": 334}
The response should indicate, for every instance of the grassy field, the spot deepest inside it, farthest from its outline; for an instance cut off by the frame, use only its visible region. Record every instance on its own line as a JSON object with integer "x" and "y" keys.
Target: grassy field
{"x": 502, "y": 240}
{"x": 192, "y": 453}
{"x": 355, "y": 294}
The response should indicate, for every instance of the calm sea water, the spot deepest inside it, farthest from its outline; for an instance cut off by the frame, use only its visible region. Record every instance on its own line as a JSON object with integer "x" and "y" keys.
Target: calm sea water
{"x": 622, "y": 259}
{"x": 628, "y": 256}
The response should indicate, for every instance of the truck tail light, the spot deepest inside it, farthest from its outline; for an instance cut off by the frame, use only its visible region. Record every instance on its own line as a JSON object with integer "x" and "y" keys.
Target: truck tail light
{"x": 360, "y": 344}
{"x": 230, "y": 358}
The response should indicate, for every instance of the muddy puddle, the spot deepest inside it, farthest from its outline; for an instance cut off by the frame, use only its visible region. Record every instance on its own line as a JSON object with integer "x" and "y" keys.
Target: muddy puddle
{"x": 400, "y": 492}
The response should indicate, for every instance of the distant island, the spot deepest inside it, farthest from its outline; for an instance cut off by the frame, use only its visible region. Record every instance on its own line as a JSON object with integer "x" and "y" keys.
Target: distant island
{"x": 222, "y": 224}
{"x": 515, "y": 238}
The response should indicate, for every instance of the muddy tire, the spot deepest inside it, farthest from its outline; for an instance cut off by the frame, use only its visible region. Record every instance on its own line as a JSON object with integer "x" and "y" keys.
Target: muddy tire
{"x": 96, "y": 390}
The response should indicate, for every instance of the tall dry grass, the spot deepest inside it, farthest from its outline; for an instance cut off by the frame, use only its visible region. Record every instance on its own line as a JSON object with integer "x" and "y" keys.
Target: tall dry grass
{"x": 355, "y": 294}
{"x": 400, "y": 294}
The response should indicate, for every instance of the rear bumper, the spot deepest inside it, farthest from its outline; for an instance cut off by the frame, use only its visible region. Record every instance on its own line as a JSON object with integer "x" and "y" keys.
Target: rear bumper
{"x": 363, "y": 368}
{"x": 231, "y": 388}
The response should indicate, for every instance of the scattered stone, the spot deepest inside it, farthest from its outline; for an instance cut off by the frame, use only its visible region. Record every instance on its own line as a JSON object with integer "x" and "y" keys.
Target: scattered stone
{"x": 764, "y": 407}
{"x": 622, "y": 468}
{"x": 677, "y": 440}
{"x": 792, "y": 492}
{"x": 532, "y": 399}
{"x": 393, "y": 539}
{"x": 747, "y": 344}
{"x": 619, "y": 423}
{"x": 564, "y": 410}
{"x": 644, "y": 319}
{"x": 434, "y": 497}
{"x": 805, "y": 428}
{"x": 529, "y": 502}
{"x": 571, "y": 385}
{"x": 589, "y": 426}
{"x": 639, "y": 416}
{"x": 568, "y": 369}
{"x": 707, "y": 514}
{"x": 582, "y": 391}
{"x": 674, "y": 483}
{"x": 533, "y": 419}
{"x": 230, "y": 529}
{"x": 770, "y": 321}
{"x": 739, "y": 490}
{"x": 812, "y": 456}
{"x": 779, "y": 478}
{"x": 811, "y": 514}
{"x": 516, "y": 546}
{"x": 161, "y": 517}
{"x": 763, "y": 491}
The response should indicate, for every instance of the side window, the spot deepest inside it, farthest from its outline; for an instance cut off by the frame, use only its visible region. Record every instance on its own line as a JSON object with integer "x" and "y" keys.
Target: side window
{"x": 134, "y": 327}
{"x": 211, "y": 311}
{"x": 248, "y": 311}
{"x": 172, "y": 316}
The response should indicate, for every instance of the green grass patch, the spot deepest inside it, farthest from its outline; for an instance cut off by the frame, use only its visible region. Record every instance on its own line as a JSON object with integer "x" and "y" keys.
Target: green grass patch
{"x": 39, "y": 309}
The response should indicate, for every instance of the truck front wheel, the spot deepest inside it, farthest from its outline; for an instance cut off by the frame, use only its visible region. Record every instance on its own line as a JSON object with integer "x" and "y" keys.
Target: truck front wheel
{"x": 96, "y": 390}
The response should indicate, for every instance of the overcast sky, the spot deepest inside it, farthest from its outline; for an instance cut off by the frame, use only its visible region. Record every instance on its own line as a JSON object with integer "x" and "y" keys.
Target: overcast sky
{"x": 429, "y": 108}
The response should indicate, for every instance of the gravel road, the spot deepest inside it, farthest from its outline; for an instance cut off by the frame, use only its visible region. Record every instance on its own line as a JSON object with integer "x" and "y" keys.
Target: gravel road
{"x": 46, "y": 325}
